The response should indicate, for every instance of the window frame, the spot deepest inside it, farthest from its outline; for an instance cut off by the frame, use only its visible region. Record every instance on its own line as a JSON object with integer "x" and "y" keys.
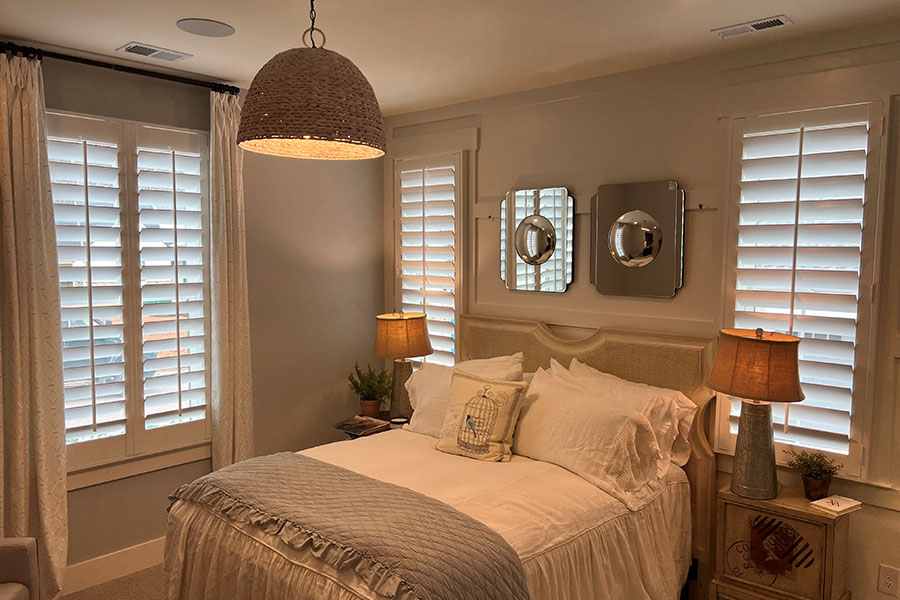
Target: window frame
{"x": 855, "y": 463}
{"x": 458, "y": 160}
{"x": 141, "y": 450}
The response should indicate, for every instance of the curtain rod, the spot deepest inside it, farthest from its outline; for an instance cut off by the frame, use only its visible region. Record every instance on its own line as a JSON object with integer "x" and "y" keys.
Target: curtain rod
{"x": 37, "y": 53}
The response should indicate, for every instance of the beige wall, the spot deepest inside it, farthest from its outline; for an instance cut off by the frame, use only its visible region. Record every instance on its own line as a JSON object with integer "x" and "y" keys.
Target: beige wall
{"x": 674, "y": 121}
{"x": 123, "y": 513}
{"x": 97, "y": 91}
{"x": 314, "y": 231}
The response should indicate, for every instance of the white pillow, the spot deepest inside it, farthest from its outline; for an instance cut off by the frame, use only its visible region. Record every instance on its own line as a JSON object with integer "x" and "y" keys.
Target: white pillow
{"x": 429, "y": 388}
{"x": 606, "y": 443}
{"x": 670, "y": 412}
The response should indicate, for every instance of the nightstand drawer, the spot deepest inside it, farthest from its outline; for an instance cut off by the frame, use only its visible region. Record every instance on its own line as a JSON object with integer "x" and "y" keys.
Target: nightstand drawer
{"x": 723, "y": 591}
{"x": 775, "y": 551}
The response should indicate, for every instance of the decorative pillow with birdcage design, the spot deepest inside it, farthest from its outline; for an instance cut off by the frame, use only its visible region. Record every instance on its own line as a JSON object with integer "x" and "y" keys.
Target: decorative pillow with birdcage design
{"x": 481, "y": 417}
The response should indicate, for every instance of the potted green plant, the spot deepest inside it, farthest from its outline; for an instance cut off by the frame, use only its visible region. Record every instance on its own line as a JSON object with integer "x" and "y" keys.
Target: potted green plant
{"x": 816, "y": 470}
{"x": 371, "y": 387}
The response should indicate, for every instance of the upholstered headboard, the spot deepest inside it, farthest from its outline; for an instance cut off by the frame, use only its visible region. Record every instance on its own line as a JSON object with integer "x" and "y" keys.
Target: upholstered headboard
{"x": 676, "y": 362}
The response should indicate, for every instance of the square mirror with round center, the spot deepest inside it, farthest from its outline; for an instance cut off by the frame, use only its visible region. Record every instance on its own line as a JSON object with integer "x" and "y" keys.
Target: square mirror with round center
{"x": 536, "y": 227}
{"x": 636, "y": 238}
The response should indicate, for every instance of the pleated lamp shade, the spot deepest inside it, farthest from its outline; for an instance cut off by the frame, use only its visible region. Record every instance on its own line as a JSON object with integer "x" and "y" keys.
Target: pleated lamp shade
{"x": 757, "y": 365}
{"x": 401, "y": 335}
{"x": 312, "y": 103}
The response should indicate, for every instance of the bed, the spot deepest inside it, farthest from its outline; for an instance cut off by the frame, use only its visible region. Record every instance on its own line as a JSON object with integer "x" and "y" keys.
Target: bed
{"x": 573, "y": 540}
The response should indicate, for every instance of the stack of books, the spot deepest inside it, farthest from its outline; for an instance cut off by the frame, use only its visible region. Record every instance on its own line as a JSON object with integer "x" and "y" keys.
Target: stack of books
{"x": 836, "y": 505}
{"x": 358, "y": 426}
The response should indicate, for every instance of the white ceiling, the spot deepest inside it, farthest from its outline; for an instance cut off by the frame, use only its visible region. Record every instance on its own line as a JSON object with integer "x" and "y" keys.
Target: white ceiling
{"x": 425, "y": 53}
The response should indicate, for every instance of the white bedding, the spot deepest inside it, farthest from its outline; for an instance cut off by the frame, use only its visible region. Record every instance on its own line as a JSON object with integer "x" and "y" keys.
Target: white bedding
{"x": 574, "y": 540}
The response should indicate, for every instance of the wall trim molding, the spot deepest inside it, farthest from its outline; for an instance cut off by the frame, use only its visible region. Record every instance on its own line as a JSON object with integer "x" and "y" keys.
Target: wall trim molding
{"x": 120, "y": 563}
{"x": 137, "y": 465}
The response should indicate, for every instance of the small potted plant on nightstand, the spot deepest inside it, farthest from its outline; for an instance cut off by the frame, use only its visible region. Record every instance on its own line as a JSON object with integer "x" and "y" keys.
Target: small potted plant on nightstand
{"x": 371, "y": 387}
{"x": 816, "y": 470}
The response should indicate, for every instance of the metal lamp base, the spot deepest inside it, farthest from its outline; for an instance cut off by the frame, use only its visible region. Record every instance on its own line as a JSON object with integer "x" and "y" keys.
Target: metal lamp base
{"x": 754, "y": 455}
{"x": 400, "y": 406}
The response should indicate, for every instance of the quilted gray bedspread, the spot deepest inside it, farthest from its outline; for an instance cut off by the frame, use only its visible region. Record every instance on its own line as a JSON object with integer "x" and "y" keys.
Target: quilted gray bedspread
{"x": 401, "y": 543}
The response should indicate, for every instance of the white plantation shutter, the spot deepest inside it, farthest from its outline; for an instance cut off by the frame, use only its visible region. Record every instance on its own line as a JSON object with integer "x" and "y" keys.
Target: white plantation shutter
{"x": 428, "y": 232}
{"x": 131, "y": 209}
{"x": 804, "y": 262}
{"x": 173, "y": 218}
{"x": 84, "y": 171}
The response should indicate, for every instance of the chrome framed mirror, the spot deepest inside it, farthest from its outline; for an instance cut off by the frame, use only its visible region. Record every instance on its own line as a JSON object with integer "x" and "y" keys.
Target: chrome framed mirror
{"x": 536, "y": 235}
{"x": 637, "y": 232}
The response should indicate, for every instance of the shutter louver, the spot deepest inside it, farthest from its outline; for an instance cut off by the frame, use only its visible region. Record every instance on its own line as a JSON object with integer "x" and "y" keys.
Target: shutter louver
{"x": 173, "y": 279}
{"x": 427, "y": 250}
{"x": 800, "y": 236}
{"x": 84, "y": 176}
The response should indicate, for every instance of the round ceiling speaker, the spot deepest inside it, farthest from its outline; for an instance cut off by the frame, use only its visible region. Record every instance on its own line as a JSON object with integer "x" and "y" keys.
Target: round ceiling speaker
{"x": 206, "y": 27}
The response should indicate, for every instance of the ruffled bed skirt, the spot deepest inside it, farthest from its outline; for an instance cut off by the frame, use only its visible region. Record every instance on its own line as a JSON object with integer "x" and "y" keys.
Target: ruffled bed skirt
{"x": 642, "y": 555}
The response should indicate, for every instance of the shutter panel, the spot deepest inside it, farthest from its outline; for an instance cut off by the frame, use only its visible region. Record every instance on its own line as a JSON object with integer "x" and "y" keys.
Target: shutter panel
{"x": 799, "y": 257}
{"x": 174, "y": 276}
{"x": 427, "y": 248}
{"x": 84, "y": 174}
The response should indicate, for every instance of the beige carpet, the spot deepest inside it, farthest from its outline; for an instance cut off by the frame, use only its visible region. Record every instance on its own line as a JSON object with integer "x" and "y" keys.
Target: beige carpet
{"x": 143, "y": 585}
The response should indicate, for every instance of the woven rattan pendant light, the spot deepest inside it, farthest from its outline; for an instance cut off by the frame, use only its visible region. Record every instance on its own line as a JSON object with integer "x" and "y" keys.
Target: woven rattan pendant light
{"x": 312, "y": 103}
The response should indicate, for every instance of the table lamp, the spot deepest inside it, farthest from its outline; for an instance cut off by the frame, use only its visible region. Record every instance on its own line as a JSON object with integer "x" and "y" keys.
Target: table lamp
{"x": 759, "y": 367}
{"x": 401, "y": 336}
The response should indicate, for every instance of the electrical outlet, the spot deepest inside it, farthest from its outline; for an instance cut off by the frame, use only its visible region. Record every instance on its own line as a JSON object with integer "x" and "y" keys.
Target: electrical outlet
{"x": 889, "y": 580}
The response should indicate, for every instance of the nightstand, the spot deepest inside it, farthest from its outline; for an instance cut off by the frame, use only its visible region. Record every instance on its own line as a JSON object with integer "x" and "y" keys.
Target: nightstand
{"x": 779, "y": 549}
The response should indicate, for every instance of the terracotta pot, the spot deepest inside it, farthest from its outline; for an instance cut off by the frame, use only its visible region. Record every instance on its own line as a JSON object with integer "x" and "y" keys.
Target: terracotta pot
{"x": 370, "y": 408}
{"x": 815, "y": 489}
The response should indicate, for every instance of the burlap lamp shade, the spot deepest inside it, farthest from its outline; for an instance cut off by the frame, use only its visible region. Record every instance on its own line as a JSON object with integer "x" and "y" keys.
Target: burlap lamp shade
{"x": 312, "y": 103}
{"x": 759, "y": 367}
{"x": 401, "y": 336}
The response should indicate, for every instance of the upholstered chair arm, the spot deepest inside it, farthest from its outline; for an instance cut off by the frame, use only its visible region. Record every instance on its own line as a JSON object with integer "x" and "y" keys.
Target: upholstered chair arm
{"x": 19, "y": 564}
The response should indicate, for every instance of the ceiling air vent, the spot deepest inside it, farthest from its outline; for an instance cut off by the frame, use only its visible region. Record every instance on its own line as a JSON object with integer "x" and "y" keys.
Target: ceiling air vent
{"x": 752, "y": 26}
{"x": 153, "y": 52}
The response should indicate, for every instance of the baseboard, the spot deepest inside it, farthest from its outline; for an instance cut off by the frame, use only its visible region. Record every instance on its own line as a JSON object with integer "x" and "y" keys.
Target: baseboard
{"x": 101, "y": 569}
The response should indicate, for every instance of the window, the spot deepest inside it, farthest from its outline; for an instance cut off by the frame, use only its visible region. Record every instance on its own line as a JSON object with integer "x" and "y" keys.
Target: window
{"x": 427, "y": 218}
{"x": 131, "y": 209}
{"x": 803, "y": 264}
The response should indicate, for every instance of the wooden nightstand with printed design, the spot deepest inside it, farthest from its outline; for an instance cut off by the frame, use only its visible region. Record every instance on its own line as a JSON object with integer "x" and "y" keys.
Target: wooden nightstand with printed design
{"x": 779, "y": 549}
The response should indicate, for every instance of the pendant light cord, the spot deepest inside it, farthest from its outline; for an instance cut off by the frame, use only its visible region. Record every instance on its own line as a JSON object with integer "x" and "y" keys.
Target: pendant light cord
{"x": 312, "y": 22}
{"x": 312, "y": 29}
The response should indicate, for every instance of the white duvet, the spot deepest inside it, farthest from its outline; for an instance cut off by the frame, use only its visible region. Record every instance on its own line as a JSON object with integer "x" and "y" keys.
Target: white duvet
{"x": 574, "y": 540}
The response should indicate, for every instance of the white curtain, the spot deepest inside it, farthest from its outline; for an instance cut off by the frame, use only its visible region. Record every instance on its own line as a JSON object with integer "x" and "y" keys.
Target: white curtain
{"x": 32, "y": 420}
{"x": 232, "y": 393}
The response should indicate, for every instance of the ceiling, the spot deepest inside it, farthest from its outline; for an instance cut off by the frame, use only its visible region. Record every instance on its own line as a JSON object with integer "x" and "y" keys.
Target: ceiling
{"x": 426, "y": 53}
